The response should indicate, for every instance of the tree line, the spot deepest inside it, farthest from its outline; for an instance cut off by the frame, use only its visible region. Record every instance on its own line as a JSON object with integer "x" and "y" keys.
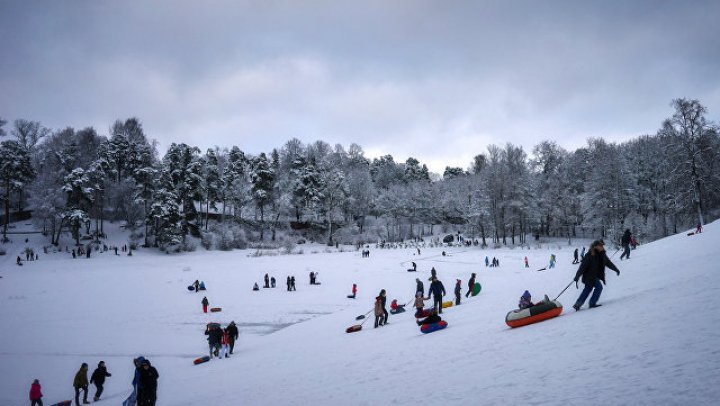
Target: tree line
{"x": 75, "y": 180}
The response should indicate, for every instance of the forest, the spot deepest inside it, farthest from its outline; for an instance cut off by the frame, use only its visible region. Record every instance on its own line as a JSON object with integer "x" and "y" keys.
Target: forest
{"x": 75, "y": 180}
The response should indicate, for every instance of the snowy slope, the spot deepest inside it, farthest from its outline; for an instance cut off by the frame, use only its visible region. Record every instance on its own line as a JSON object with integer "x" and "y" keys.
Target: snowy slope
{"x": 653, "y": 341}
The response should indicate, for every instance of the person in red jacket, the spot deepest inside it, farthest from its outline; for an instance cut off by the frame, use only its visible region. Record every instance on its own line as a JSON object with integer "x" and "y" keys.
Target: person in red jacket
{"x": 354, "y": 291}
{"x": 35, "y": 394}
{"x": 225, "y": 344}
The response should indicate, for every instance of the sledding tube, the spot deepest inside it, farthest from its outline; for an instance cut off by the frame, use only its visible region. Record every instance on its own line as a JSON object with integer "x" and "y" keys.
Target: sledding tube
{"x": 353, "y": 329}
{"x": 539, "y": 312}
{"x": 216, "y": 309}
{"x": 191, "y": 288}
{"x": 429, "y": 328}
{"x": 449, "y": 303}
{"x": 476, "y": 289}
{"x": 201, "y": 360}
{"x": 400, "y": 309}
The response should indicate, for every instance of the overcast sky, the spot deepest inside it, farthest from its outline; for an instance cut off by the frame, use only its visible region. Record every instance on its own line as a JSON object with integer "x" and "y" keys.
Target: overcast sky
{"x": 436, "y": 80}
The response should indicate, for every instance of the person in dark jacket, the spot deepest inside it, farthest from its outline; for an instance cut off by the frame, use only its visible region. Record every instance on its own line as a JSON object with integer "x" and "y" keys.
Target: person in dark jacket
{"x": 575, "y": 257}
{"x": 592, "y": 271}
{"x": 233, "y": 335}
{"x": 148, "y": 380}
{"x": 214, "y": 334}
{"x": 81, "y": 383}
{"x": 292, "y": 283}
{"x": 137, "y": 388}
{"x": 432, "y": 318}
{"x": 196, "y": 284}
{"x": 267, "y": 281}
{"x": 272, "y": 282}
{"x": 437, "y": 291}
{"x": 378, "y": 311}
{"x": 288, "y": 284}
{"x": 419, "y": 286}
{"x": 625, "y": 242}
{"x": 471, "y": 285}
{"x": 98, "y": 378}
{"x": 458, "y": 294}
{"x": 205, "y": 304}
{"x": 383, "y": 296}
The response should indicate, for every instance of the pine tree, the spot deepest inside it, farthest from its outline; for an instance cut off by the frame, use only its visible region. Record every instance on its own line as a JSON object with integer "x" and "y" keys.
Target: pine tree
{"x": 15, "y": 172}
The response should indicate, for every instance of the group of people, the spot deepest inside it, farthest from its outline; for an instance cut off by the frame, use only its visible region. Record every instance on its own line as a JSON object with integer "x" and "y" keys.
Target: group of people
{"x": 313, "y": 278}
{"x": 80, "y": 384}
{"x": 269, "y": 281}
{"x": 221, "y": 342}
{"x": 492, "y": 264}
{"x": 144, "y": 382}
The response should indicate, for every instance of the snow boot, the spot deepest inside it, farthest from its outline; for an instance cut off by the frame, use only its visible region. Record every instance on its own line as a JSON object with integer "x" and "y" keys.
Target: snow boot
{"x": 576, "y": 307}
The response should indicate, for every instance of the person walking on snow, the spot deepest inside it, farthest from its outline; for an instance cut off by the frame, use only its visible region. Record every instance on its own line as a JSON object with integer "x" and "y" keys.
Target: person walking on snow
{"x": 582, "y": 254}
{"x": 354, "y": 291}
{"x": 592, "y": 271}
{"x": 98, "y": 378}
{"x": 35, "y": 394}
{"x": 527, "y": 265}
{"x": 81, "y": 383}
{"x": 288, "y": 284}
{"x": 292, "y": 283}
{"x": 437, "y": 291}
{"x": 698, "y": 229}
{"x": 471, "y": 285}
{"x": 552, "y": 261}
{"x": 378, "y": 312}
{"x": 272, "y": 282}
{"x": 148, "y": 381}
{"x": 214, "y": 334}
{"x": 205, "y": 304}
{"x": 224, "y": 345}
{"x": 267, "y": 281}
{"x": 383, "y": 295}
{"x": 575, "y": 256}
{"x": 457, "y": 292}
{"x": 196, "y": 284}
{"x": 487, "y": 262}
{"x": 625, "y": 242}
{"x": 233, "y": 335}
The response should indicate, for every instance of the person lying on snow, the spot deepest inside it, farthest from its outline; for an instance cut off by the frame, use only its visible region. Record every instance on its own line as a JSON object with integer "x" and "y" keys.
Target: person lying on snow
{"x": 432, "y": 318}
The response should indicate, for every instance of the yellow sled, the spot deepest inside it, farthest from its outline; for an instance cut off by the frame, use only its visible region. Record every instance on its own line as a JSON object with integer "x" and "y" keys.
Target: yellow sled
{"x": 449, "y": 303}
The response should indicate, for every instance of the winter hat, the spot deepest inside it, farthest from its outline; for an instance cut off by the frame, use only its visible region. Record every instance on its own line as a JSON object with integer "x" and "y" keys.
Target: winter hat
{"x": 418, "y": 294}
{"x": 526, "y": 295}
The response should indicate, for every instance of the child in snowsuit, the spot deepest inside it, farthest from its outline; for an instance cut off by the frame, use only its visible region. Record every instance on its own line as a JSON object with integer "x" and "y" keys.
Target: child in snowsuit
{"x": 225, "y": 345}
{"x": 525, "y": 301}
{"x": 98, "y": 378}
{"x": 575, "y": 257}
{"x": 81, "y": 383}
{"x": 419, "y": 303}
{"x": 205, "y": 304}
{"x": 35, "y": 394}
{"x": 457, "y": 292}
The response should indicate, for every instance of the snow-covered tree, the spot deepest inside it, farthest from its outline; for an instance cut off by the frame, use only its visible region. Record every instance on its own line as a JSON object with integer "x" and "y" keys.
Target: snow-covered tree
{"x": 15, "y": 172}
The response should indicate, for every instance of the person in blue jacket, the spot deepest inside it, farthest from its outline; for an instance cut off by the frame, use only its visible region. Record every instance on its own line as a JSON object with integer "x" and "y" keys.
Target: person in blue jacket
{"x": 437, "y": 291}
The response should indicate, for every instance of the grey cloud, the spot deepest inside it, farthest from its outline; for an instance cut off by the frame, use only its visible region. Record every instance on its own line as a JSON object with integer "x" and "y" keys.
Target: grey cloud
{"x": 435, "y": 80}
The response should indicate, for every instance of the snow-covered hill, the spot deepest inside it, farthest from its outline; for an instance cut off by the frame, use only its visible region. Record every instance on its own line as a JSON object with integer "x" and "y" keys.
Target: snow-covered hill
{"x": 653, "y": 342}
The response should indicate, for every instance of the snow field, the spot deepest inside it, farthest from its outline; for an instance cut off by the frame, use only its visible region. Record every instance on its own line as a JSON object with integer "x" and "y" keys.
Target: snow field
{"x": 653, "y": 341}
